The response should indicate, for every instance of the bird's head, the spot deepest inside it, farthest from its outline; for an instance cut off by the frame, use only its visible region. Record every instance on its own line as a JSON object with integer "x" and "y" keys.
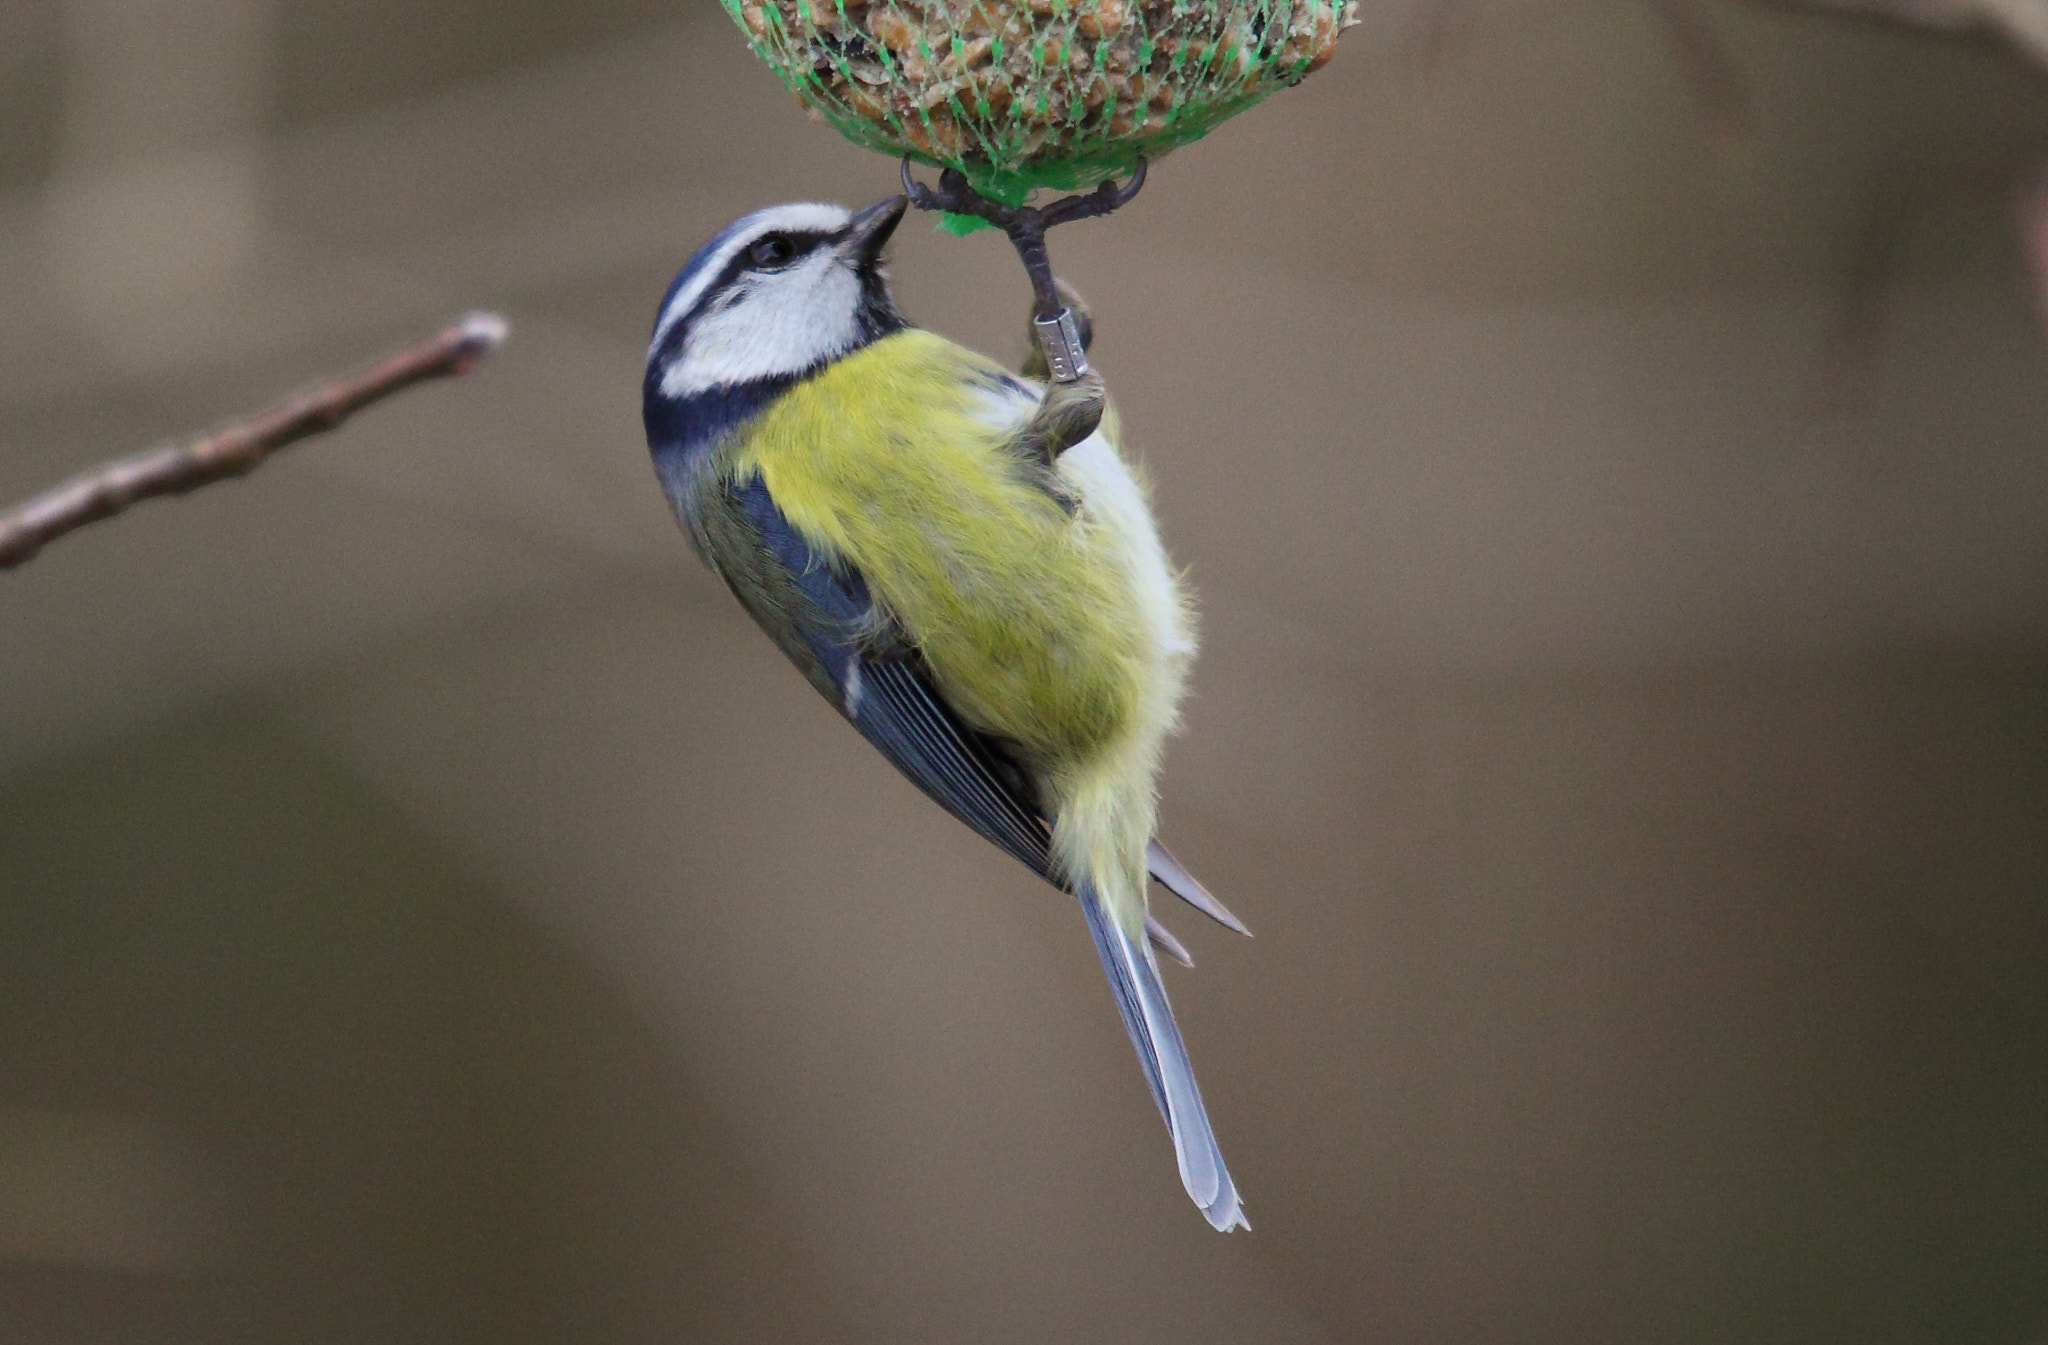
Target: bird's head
{"x": 776, "y": 295}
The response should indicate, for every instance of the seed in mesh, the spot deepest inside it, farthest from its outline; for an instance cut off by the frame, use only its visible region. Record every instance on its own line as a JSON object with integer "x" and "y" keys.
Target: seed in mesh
{"x": 1019, "y": 84}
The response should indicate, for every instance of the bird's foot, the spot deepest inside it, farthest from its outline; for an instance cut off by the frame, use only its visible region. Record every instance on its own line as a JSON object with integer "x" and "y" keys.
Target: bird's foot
{"x": 1070, "y": 412}
{"x": 1058, "y": 331}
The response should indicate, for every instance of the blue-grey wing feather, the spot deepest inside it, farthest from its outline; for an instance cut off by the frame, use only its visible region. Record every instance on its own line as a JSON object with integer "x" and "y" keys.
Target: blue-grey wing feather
{"x": 824, "y": 618}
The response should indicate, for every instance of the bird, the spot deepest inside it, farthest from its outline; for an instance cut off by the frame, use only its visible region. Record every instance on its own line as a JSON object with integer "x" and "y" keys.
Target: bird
{"x": 961, "y": 562}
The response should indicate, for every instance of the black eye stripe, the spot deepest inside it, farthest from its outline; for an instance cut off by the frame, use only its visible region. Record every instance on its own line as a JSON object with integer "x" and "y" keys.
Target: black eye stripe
{"x": 718, "y": 294}
{"x": 804, "y": 240}
{"x": 798, "y": 245}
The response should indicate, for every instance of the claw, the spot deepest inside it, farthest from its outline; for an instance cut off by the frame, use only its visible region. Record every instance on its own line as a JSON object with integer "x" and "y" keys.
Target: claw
{"x": 1025, "y": 225}
{"x": 1106, "y": 197}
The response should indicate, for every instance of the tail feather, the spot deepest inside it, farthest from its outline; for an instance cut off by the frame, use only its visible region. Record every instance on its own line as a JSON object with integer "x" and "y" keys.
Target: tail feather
{"x": 1172, "y": 875}
{"x": 1141, "y": 1002}
{"x": 1162, "y": 939}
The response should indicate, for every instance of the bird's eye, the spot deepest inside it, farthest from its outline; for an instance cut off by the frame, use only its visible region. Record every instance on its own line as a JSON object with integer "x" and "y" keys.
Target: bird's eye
{"x": 772, "y": 252}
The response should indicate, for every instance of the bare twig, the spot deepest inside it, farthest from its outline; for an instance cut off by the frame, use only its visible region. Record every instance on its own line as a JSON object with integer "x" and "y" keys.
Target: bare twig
{"x": 173, "y": 469}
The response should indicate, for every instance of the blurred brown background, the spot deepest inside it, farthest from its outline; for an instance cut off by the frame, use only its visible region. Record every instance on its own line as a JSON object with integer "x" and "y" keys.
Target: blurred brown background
{"x": 429, "y": 912}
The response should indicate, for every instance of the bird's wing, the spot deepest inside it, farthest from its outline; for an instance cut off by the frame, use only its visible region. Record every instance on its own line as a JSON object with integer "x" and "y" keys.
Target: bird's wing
{"x": 823, "y": 618}
{"x": 897, "y": 709}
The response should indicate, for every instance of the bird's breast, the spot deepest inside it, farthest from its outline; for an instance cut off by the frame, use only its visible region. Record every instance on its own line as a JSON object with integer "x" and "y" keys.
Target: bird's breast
{"x": 1039, "y": 623}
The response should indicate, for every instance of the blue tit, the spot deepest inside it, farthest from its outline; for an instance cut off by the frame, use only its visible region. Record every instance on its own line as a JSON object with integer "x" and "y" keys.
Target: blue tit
{"x": 997, "y": 616}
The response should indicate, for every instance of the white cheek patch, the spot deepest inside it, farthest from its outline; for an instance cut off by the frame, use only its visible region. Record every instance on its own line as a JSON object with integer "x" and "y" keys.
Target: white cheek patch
{"x": 798, "y": 217}
{"x": 781, "y": 323}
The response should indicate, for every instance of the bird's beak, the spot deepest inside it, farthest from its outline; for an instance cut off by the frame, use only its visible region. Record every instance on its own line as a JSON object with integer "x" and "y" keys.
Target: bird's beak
{"x": 871, "y": 228}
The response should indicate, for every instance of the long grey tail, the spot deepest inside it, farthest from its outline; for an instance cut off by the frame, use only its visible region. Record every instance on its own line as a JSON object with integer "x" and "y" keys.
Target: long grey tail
{"x": 1141, "y": 1000}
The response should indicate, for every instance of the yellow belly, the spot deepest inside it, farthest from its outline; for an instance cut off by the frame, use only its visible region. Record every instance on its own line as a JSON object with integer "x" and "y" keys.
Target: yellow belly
{"x": 1030, "y": 618}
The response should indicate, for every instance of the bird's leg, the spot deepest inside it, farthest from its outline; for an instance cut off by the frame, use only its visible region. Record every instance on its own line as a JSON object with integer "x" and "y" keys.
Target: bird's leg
{"x": 1072, "y": 409}
{"x": 1034, "y": 365}
{"x": 1075, "y": 398}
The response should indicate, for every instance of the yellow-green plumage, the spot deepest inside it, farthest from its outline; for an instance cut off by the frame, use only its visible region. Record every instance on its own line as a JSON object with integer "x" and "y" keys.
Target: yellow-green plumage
{"x": 1055, "y": 625}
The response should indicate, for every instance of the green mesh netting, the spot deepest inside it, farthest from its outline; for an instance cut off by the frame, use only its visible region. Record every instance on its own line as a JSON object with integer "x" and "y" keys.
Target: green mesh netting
{"x": 1023, "y": 94}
